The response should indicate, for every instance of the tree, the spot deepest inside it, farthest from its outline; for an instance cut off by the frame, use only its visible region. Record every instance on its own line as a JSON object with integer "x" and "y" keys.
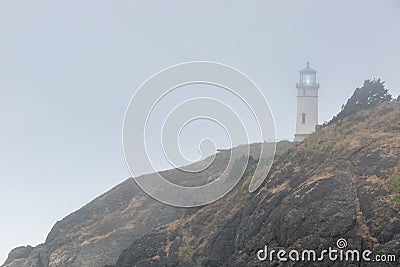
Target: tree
{"x": 371, "y": 93}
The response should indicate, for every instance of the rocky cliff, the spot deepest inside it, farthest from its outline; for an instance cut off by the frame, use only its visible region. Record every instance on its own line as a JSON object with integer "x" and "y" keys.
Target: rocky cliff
{"x": 96, "y": 234}
{"x": 341, "y": 182}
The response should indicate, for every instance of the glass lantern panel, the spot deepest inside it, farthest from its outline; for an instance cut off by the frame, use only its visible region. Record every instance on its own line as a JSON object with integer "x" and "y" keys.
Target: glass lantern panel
{"x": 308, "y": 79}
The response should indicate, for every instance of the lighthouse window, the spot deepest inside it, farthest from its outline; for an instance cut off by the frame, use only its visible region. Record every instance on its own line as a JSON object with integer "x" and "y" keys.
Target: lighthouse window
{"x": 303, "y": 118}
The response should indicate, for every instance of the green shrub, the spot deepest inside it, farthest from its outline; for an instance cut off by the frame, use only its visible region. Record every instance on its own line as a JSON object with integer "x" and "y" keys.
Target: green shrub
{"x": 395, "y": 191}
{"x": 186, "y": 253}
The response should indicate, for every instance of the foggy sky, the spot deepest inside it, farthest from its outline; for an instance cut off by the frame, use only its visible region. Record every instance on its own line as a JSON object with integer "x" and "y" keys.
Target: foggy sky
{"x": 68, "y": 71}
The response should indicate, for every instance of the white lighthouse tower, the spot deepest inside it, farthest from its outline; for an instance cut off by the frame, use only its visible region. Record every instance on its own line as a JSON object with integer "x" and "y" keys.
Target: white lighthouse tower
{"x": 307, "y": 103}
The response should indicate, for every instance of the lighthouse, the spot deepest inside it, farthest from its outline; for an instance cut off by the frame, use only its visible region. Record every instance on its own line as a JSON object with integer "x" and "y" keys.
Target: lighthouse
{"x": 307, "y": 103}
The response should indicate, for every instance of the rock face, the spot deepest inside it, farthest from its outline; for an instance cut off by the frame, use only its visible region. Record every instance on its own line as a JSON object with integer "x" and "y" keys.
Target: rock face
{"x": 96, "y": 234}
{"x": 341, "y": 182}
{"x": 18, "y": 253}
